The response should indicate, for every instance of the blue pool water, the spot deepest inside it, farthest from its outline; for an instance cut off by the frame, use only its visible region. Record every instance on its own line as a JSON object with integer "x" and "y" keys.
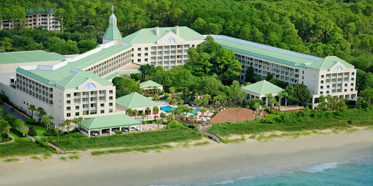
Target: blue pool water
{"x": 170, "y": 108}
{"x": 167, "y": 108}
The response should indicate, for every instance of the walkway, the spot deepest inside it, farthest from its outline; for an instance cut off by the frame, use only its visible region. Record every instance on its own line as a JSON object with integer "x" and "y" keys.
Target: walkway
{"x": 203, "y": 129}
{"x": 10, "y": 110}
{"x": 10, "y": 140}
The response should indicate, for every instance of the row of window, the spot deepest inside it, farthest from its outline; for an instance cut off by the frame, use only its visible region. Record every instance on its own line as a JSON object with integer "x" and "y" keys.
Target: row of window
{"x": 91, "y": 112}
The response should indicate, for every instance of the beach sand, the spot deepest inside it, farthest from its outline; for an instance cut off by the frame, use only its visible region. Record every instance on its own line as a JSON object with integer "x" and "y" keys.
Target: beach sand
{"x": 211, "y": 163}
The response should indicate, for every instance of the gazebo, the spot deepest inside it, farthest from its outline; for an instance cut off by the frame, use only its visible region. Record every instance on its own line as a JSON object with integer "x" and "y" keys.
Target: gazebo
{"x": 109, "y": 122}
{"x": 261, "y": 89}
{"x": 150, "y": 85}
{"x": 136, "y": 101}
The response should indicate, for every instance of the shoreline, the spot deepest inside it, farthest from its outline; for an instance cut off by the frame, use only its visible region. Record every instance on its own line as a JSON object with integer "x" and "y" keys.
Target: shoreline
{"x": 196, "y": 164}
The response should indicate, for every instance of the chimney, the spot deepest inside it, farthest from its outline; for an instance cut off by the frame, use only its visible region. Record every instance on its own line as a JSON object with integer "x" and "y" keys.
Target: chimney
{"x": 157, "y": 31}
{"x": 177, "y": 30}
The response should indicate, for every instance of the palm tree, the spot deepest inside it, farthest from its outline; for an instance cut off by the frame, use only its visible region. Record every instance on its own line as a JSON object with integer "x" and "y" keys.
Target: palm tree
{"x": 181, "y": 102}
{"x": 63, "y": 124}
{"x": 41, "y": 112}
{"x": 196, "y": 115}
{"x": 192, "y": 118}
{"x": 148, "y": 111}
{"x": 156, "y": 97}
{"x": 211, "y": 109}
{"x": 169, "y": 99}
{"x": 172, "y": 91}
{"x": 203, "y": 112}
{"x": 79, "y": 120}
{"x": 129, "y": 111}
{"x": 169, "y": 118}
{"x": 46, "y": 120}
{"x": 57, "y": 129}
{"x": 155, "y": 88}
{"x": 143, "y": 117}
{"x": 136, "y": 112}
{"x": 278, "y": 105}
{"x": 68, "y": 126}
{"x": 184, "y": 116}
{"x": 155, "y": 111}
{"x": 32, "y": 108}
{"x": 163, "y": 115}
{"x": 283, "y": 95}
{"x": 256, "y": 107}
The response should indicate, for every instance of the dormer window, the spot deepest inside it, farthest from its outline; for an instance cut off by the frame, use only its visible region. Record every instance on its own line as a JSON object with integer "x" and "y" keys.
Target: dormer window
{"x": 171, "y": 40}
{"x": 338, "y": 68}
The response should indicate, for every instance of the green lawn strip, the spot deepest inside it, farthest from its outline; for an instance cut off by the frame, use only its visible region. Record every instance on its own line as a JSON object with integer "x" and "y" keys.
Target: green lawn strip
{"x": 132, "y": 149}
{"x": 81, "y": 142}
{"x": 40, "y": 130}
{"x": 356, "y": 117}
{"x": 11, "y": 160}
{"x": 255, "y": 127}
{"x": 12, "y": 134}
{"x": 23, "y": 149}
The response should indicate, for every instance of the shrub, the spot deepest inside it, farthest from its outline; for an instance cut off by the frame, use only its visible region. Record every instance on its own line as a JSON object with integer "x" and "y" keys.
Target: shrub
{"x": 41, "y": 141}
{"x": 119, "y": 132}
{"x": 32, "y": 131}
{"x": 31, "y": 121}
{"x": 136, "y": 76}
{"x": 23, "y": 140}
{"x": 175, "y": 124}
{"x": 349, "y": 122}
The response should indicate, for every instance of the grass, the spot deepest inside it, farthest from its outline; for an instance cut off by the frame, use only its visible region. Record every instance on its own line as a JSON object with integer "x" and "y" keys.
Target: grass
{"x": 357, "y": 116}
{"x": 157, "y": 148}
{"x": 81, "y": 142}
{"x": 74, "y": 157}
{"x": 11, "y": 160}
{"x": 202, "y": 143}
{"x": 36, "y": 158}
{"x": 12, "y": 134}
{"x": 63, "y": 158}
{"x": 23, "y": 149}
{"x": 39, "y": 130}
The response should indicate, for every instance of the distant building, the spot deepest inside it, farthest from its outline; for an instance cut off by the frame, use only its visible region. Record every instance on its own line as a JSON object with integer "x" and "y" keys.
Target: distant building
{"x": 42, "y": 18}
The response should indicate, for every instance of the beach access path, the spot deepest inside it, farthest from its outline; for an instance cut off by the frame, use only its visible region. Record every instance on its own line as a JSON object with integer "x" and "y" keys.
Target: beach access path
{"x": 211, "y": 163}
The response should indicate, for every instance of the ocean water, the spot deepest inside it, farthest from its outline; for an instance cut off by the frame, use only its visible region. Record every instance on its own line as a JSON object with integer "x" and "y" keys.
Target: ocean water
{"x": 354, "y": 172}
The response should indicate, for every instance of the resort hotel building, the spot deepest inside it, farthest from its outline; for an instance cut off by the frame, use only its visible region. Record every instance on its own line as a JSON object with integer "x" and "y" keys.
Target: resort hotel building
{"x": 67, "y": 87}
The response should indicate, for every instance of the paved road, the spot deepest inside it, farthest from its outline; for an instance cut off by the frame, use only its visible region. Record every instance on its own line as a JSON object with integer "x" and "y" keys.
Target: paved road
{"x": 9, "y": 110}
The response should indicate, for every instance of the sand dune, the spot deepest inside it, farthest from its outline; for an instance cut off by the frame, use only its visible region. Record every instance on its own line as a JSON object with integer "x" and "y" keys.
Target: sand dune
{"x": 212, "y": 163}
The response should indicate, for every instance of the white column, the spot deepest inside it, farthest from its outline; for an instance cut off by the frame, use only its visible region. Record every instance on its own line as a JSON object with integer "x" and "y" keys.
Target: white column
{"x": 120, "y": 128}
{"x": 100, "y": 132}
{"x": 129, "y": 128}
{"x": 110, "y": 131}
{"x": 89, "y": 133}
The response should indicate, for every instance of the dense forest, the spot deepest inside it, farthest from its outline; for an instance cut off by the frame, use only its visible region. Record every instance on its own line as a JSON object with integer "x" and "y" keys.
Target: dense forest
{"x": 318, "y": 27}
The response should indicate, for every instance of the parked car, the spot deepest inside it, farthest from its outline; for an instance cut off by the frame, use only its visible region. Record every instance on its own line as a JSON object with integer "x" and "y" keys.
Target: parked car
{"x": 125, "y": 130}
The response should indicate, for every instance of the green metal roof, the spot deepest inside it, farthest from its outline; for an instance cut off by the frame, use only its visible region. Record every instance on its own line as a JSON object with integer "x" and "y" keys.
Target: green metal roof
{"x": 148, "y": 35}
{"x": 110, "y": 121}
{"x": 50, "y": 77}
{"x": 77, "y": 79}
{"x": 113, "y": 75}
{"x": 135, "y": 100}
{"x": 329, "y": 62}
{"x": 150, "y": 84}
{"x": 112, "y": 33}
{"x": 279, "y": 57}
{"x": 262, "y": 88}
{"x": 29, "y": 57}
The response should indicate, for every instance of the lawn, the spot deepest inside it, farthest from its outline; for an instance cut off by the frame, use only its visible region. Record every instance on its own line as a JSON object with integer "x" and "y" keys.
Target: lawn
{"x": 358, "y": 117}
{"x": 40, "y": 130}
{"x": 23, "y": 149}
{"x": 80, "y": 142}
{"x": 12, "y": 134}
{"x": 293, "y": 124}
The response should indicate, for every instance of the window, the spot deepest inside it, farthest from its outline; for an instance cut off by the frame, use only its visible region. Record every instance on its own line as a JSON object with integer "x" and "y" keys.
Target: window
{"x": 110, "y": 104}
{"x": 345, "y": 90}
{"x": 68, "y": 108}
{"x": 146, "y": 48}
{"x": 352, "y": 79}
{"x": 110, "y": 91}
{"x": 68, "y": 101}
{"x": 110, "y": 110}
{"x": 138, "y": 49}
{"x": 102, "y": 111}
{"x": 139, "y": 55}
{"x": 327, "y": 86}
{"x": 102, "y": 105}
{"x": 77, "y": 107}
{"x": 171, "y": 40}
{"x": 322, "y": 76}
{"x": 68, "y": 95}
{"x": 68, "y": 114}
{"x": 110, "y": 97}
{"x": 338, "y": 68}
{"x": 352, "y": 89}
{"x": 353, "y": 73}
{"x": 322, "y": 81}
{"x": 321, "y": 87}
{"x": 346, "y": 85}
{"x": 352, "y": 84}
{"x": 76, "y": 113}
{"x": 139, "y": 60}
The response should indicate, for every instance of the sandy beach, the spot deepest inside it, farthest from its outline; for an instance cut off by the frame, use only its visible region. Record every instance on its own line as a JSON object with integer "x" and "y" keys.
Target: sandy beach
{"x": 211, "y": 163}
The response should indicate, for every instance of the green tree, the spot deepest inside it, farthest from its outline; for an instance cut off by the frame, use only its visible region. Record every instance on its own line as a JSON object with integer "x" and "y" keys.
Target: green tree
{"x": 32, "y": 108}
{"x": 46, "y": 120}
{"x": 155, "y": 111}
{"x": 125, "y": 86}
{"x": 148, "y": 111}
{"x": 6, "y": 44}
{"x": 298, "y": 93}
{"x": 249, "y": 74}
{"x": 32, "y": 131}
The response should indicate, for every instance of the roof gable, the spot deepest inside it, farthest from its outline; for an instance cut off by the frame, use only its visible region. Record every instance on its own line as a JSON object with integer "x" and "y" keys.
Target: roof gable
{"x": 135, "y": 100}
{"x": 148, "y": 35}
{"x": 262, "y": 88}
{"x": 80, "y": 79}
{"x": 328, "y": 62}
{"x": 117, "y": 120}
{"x": 112, "y": 33}
{"x": 170, "y": 35}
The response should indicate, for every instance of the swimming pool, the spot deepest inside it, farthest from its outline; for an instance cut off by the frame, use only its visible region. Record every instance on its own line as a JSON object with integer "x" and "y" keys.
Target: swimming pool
{"x": 170, "y": 108}
{"x": 167, "y": 108}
